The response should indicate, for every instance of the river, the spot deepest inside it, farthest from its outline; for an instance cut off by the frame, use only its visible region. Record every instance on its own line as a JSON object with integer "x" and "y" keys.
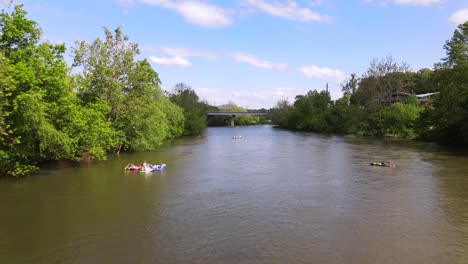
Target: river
{"x": 271, "y": 197}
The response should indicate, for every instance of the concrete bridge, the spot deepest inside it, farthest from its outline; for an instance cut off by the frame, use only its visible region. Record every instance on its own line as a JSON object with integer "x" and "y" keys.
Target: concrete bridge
{"x": 234, "y": 114}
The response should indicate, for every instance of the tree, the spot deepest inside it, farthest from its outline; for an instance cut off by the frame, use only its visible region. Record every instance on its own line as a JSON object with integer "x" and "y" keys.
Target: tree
{"x": 447, "y": 121}
{"x": 309, "y": 111}
{"x": 383, "y": 78}
{"x": 19, "y": 34}
{"x": 423, "y": 82}
{"x": 34, "y": 96}
{"x": 456, "y": 47}
{"x": 194, "y": 111}
{"x": 351, "y": 85}
{"x": 110, "y": 79}
{"x": 105, "y": 68}
{"x": 282, "y": 113}
{"x": 345, "y": 119}
{"x": 398, "y": 120}
{"x": 6, "y": 86}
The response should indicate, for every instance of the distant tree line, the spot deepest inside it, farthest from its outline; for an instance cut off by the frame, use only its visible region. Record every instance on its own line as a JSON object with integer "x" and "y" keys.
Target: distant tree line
{"x": 365, "y": 108}
{"x": 244, "y": 120}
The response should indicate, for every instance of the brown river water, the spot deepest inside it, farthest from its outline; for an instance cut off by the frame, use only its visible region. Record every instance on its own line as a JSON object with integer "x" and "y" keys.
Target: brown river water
{"x": 271, "y": 197}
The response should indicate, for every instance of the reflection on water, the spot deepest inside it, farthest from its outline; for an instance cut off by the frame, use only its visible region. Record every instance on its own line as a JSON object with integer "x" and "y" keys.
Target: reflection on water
{"x": 271, "y": 197}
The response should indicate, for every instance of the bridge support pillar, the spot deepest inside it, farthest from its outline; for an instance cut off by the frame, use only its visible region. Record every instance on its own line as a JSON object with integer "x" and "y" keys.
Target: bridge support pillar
{"x": 232, "y": 120}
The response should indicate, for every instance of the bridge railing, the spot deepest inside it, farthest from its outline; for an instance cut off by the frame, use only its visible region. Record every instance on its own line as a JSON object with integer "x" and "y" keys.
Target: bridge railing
{"x": 230, "y": 113}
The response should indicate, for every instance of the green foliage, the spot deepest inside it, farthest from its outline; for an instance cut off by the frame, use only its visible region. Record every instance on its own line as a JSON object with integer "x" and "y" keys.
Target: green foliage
{"x": 19, "y": 35}
{"x": 447, "y": 121}
{"x": 20, "y": 169}
{"x": 457, "y": 47}
{"x": 128, "y": 91}
{"x": 247, "y": 120}
{"x": 282, "y": 114}
{"x": 33, "y": 95}
{"x": 6, "y": 87}
{"x": 106, "y": 69}
{"x": 383, "y": 78}
{"x": 423, "y": 82}
{"x": 344, "y": 119}
{"x": 351, "y": 85}
{"x": 174, "y": 116}
{"x": 194, "y": 111}
{"x": 309, "y": 111}
{"x": 92, "y": 134}
{"x": 398, "y": 120}
{"x": 314, "y": 112}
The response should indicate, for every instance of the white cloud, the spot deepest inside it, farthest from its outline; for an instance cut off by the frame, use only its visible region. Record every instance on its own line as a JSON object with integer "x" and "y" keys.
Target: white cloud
{"x": 406, "y": 2}
{"x": 181, "y": 52}
{"x": 417, "y": 2}
{"x": 185, "y": 53}
{"x": 313, "y": 71}
{"x": 256, "y": 62}
{"x": 289, "y": 10}
{"x": 252, "y": 99}
{"x": 178, "y": 57}
{"x": 203, "y": 14}
{"x": 195, "y": 12}
{"x": 5, "y": 2}
{"x": 459, "y": 17}
{"x": 175, "y": 61}
{"x": 318, "y": 3}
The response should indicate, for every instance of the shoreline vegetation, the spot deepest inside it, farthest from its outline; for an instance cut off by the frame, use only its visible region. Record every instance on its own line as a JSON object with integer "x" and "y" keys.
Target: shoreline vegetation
{"x": 108, "y": 101}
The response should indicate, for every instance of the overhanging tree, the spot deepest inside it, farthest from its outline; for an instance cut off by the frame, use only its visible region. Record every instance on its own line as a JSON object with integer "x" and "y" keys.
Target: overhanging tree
{"x": 34, "y": 94}
{"x": 447, "y": 121}
{"x": 128, "y": 89}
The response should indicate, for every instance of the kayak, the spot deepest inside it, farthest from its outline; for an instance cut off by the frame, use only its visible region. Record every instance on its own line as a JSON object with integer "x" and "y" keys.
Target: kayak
{"x": 382, "y": 164}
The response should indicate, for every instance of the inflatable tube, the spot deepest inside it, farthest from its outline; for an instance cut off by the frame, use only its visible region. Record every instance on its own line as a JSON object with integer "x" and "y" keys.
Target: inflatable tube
{"x": 382, "y": 164}
{"x": 151, "y": 168}
{"x": 159, "y": 168}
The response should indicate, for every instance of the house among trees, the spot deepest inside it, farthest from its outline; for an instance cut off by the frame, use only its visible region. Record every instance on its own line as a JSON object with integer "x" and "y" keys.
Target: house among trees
{"x": 402, "y": 97}
{"x": 425, "y": 99}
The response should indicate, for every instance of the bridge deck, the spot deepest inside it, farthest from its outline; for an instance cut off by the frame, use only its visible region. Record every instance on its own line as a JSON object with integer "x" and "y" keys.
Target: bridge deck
{"x": 238, "y": 113}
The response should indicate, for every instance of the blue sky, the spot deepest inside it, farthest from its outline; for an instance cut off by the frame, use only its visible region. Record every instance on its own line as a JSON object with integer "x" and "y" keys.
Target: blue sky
{"x": 255, "y": 52}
